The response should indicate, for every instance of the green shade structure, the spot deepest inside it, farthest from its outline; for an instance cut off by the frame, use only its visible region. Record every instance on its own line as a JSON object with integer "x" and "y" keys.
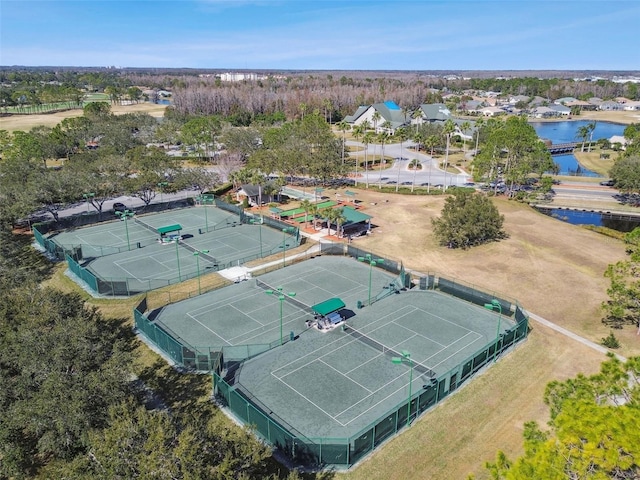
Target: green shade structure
{"x": 328, "y": 306}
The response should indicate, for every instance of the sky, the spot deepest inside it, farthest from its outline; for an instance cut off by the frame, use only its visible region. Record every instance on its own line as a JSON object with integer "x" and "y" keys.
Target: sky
{"x": 323, "y": 34}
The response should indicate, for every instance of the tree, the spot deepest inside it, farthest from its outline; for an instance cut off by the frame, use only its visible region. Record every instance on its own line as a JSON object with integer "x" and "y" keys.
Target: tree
{"x": 202, "y": 132}
{"x": 591, "y": 127}
{"x": 62, "y": 366}
{"x": 626, "y": 174}
{"x": 448, "y": 130}
{"x": 595, "y": 429}
{"x": 97, "y": 110}
{"x": 583, "y": 133}
{"x": 383, "y": 138}
{"x": 623, "y": 306}
{"x": 513, "y": 149}
{"x": 403, "y": 135}
{"x": 465, "y": 127}
{"x": 468, "y": 219}
{"x": 306, "y": 206}
{"x": 343, "y": 127}
{"x": 368, "y": 139}
{"x": 431, "y": 142}
{"x": 152, "y": 167}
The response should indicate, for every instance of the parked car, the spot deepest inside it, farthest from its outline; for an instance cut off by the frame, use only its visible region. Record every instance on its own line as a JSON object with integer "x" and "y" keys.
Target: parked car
{"x": 119, "y": 207}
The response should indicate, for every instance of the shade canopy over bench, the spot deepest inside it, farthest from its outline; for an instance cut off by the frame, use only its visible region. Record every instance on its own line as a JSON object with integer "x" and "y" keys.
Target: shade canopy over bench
{"x": 328, "y": 306}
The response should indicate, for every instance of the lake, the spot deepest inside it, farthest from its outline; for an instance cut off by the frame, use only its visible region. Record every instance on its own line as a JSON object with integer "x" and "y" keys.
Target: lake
{"x": 565, "y": 132}
{"x": 620, "y": 222}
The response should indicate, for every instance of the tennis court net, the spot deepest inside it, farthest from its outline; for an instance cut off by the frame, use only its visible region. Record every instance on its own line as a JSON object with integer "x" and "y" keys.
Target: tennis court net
{"x": 288, "y": 298}
{"x": 145, "y": 225}
{"x": 199, "y": 252}
{"x": 386, "y": 350}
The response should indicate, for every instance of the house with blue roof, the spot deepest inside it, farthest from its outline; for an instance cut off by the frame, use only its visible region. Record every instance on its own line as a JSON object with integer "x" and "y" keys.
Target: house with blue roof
{"x": 391, "y": 116}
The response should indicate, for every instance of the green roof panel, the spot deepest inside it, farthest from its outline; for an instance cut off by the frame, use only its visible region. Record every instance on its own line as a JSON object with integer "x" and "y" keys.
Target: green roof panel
{"x": 328, "y": 306}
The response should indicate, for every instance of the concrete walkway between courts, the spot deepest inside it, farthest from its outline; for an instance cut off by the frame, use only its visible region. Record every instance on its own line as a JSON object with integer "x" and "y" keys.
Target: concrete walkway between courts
{"x": 241, "y": 273}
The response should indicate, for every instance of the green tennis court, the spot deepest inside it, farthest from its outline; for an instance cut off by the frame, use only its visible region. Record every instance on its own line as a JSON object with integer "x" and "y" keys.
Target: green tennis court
{"x": 243, "y": 314}
{"x": 132, "y": 258}
{"x": 119, "y": 235}
{"x": 335, "y": 384}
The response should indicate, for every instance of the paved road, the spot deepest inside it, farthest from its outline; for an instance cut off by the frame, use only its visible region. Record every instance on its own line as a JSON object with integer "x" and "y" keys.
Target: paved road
{"x": 398, "y": 172}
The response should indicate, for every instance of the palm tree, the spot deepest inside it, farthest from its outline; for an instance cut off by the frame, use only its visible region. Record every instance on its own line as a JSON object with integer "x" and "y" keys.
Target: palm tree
{"x": 447, "y": 131}
{"x": 339, "y": 219}
{"x": 416, "y": 115}
{"x": 383, "y": 137}
{"x": 343, "y": 127}
{"x": 464, "y": 127}
{"x": 358, "y": 132}
{"x": 314, "y": 211}
{"x": 368, "y": 138}
{"x": 479, "y": 124}
{"x": 376, "y": 118}
{"x": 591, "y": 127}
{"x": 430, "y": 143}
{"x": 403, "y": 135}
{"x": 306, "y": 206}
{"x": 583, "y": 133}
{"x": 328, "y": 215}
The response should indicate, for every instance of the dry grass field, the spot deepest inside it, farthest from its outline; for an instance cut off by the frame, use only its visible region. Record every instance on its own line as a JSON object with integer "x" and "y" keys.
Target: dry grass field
{"x": 555, "y": 270}
{"x": 27, "y": 122}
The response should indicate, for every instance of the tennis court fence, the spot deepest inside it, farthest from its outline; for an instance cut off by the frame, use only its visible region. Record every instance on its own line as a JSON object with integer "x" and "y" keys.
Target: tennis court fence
{"x": 345, "y": 452}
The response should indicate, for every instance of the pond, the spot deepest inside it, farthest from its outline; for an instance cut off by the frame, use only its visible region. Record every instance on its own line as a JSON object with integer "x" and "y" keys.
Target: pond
{"x": 565, "y": 132}
{"x": 621, "y": 223}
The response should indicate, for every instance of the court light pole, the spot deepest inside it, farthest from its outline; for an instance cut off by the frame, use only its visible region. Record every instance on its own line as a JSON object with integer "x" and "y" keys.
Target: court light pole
{"x": 178, "y": 258}
{"x": 253, "y": 221}
{"x": 492, "y": 306}
{"x": 372, "y": 263}
{"x": 87, "y": 196}
{"x": 125, "y": 216}
{"x": 284, "y": 244}
{"x": 281, "y": 297}
{"x": 162, "y": 185}
{"x": 197, "y": 255}
{"x": 406, "y": 358}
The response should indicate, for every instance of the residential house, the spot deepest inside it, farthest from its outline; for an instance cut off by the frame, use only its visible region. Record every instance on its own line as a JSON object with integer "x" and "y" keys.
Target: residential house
{"x": 565, "y": 100}
{"x": 632, "y": 105}
{"x": 431, "y": 113}
{"x": 491, "y": 111}
{"x": 561, "y": 109}
{"x": 581, "y": 105}
{"x": 513, "y": 99}
{"x": 543, "y": 112}
{"x": 611, "y": 106}
{"x": 390, "y": 114}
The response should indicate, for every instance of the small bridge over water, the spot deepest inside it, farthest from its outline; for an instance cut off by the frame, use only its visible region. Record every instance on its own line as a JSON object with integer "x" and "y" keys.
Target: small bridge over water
{"x": 559, "y": 148}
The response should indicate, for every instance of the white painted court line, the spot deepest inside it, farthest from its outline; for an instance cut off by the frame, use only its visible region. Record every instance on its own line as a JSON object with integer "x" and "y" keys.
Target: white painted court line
{"x": 207, "y": 328}
{"x": 345, "y": 376}
{"x": 312, "y": 403}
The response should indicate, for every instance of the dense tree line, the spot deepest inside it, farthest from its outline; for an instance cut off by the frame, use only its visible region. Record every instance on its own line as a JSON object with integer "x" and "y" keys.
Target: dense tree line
{"x": 71, "y": 406}
{"x": 334, "y": 94}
